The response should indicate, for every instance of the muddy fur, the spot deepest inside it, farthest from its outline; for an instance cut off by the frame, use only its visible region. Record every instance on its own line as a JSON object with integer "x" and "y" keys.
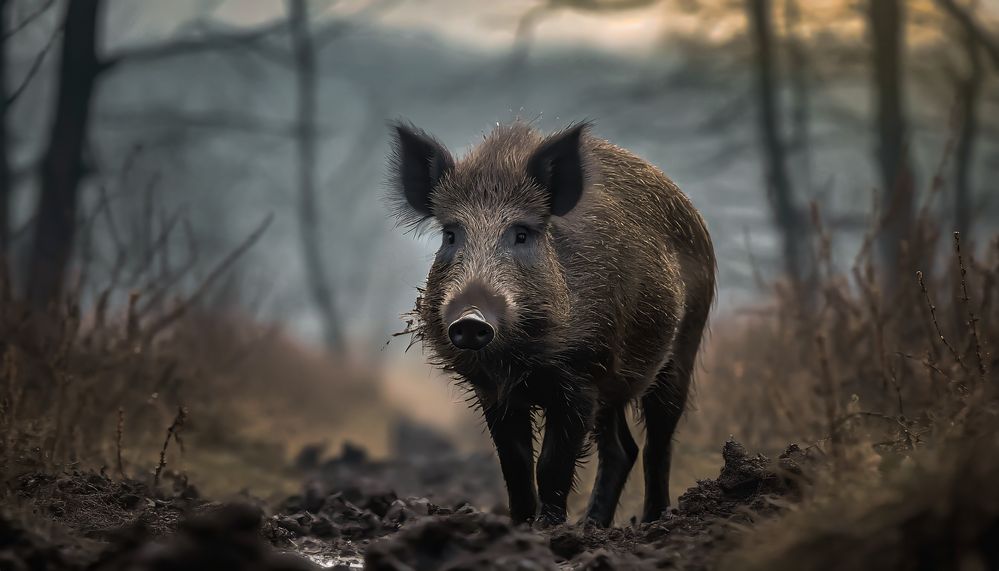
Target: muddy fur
{"x": 605, "y": 306}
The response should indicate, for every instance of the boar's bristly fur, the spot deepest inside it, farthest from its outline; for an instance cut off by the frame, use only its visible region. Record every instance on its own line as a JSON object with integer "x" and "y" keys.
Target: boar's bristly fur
{"x": 573, "y": 278}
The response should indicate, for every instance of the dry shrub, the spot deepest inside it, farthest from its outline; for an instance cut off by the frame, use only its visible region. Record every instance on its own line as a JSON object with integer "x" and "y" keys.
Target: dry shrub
{"x": 98, "y": 378}
{"x": 249, "y": 391}
{"x": 887, "y": 374}
{"x": 938, "y": 510}
{"x": 843, "y": 351}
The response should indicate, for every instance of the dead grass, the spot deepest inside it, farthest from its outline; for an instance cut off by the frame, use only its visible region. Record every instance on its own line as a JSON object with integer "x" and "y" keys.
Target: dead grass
{"x": 894, "y": 388}
{"x": 938, "y": 509}
{"x": 97, "y": 380}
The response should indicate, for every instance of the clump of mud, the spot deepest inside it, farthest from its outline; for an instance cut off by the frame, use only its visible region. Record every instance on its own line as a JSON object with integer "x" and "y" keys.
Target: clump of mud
{"x": 351, "y": 500}
{"x": 23, "y": 549}
{"x": 351, "y": 512}
{"x": 225, "y": 539}
{"x": 79, "y": 520}
{"x": 691, "y": 536}
{"x": 462, "y": 541}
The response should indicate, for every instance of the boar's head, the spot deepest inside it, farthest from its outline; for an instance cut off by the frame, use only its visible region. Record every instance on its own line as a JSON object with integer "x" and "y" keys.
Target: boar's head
{"x": 497, "y": 286}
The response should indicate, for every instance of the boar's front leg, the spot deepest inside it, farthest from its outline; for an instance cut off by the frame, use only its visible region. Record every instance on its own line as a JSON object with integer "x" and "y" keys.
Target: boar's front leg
{"x": 566, "y": 427}
{"x": 512, "y": 431}
{"x": 616, "y": 453}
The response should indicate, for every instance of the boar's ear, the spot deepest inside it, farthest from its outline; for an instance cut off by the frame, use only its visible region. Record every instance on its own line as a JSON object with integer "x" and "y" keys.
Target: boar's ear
{"x": 419, "y": 162}
{"x": 557, "y": 165}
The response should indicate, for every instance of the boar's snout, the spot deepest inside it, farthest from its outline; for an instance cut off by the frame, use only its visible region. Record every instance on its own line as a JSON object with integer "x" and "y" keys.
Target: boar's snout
{"x": 474, "y": 316}
{"x": 471, "y": 330}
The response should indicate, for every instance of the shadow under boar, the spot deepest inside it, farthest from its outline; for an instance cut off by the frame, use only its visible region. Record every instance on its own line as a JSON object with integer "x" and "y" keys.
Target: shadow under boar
{"x": 572, "y": 278}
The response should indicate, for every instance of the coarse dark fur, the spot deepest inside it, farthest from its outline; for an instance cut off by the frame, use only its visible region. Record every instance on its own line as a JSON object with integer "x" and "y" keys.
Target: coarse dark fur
{"x": 600, "y": 299}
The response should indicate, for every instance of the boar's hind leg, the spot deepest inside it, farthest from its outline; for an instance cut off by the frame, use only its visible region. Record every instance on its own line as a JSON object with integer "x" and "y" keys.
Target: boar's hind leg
{"x": 662, "y": 407}
{"x": 513, "y": 434}
{"x": 616, "y": 453}
{"x": 566, "y": 427}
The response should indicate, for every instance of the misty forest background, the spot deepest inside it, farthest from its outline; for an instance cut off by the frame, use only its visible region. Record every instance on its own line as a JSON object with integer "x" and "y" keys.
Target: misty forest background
{"x": 236, "y": 150}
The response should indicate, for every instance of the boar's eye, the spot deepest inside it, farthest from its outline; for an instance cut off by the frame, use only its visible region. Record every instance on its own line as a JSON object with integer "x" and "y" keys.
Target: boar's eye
{"x": 449, "y": 237}
{"x": 519, "y": 235}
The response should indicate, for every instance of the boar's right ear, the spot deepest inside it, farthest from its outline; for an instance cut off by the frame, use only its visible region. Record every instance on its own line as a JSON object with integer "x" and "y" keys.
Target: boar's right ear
{"x": 419, "y": 162}
{"x": 557, "y": 165}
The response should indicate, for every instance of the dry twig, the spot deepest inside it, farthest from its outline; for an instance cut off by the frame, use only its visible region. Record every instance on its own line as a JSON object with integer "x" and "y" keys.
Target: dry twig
{"x": 172, "y": 432}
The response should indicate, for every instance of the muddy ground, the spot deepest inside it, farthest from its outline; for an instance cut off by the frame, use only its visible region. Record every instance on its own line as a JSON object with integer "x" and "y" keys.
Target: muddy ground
{"x": 420, "y": 511}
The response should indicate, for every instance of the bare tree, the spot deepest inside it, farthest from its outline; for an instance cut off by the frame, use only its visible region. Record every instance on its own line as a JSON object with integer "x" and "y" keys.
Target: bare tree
{"x": 969, "y": 90}
{"x": 9, "y": 94}
{"x": 62, "y": 165}
{"x": 304, "y": 55}
{"x": 63, "y": 168}
{"x": 969, "y": 94}
{"x": 798, "y": 72}
{"x": 5, "y": 179}
{"x": 886, "y": 22}
{"x": 787, "y": 217}
{"x": 972, "y": 29}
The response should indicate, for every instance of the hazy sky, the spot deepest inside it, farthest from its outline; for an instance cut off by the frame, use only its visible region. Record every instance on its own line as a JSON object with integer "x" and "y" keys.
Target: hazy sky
{"x": 492, "y": 25}
{"x": 488, "y": 25}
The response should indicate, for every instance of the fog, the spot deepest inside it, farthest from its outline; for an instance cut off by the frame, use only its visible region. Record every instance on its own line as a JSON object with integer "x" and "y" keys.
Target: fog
{"x": 212, "y": 129}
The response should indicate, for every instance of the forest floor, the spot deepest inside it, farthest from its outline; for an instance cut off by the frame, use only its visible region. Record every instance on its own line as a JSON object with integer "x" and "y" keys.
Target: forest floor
{"x": 896, "y": 402}
{"x": 432, "y": 509}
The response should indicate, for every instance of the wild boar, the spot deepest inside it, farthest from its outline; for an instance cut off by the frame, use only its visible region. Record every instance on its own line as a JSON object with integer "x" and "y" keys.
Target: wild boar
{"x": 573, "y": 279}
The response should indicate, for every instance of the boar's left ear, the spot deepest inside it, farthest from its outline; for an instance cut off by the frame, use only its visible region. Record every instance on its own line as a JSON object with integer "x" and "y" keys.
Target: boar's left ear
{"x": 557, "y": 165}
{"x": 419, "y": 163}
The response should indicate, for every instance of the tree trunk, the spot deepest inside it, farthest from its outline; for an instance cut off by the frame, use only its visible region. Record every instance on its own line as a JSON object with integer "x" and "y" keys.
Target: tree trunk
{"x": 969, "y": 91}
{"x": 5, "y": 190}
{"x": 308, "y": 210}
{"x": 786, "y": 215}
{"x": 62, "y": 165}
{"x": 886, "y": 20}
{"x": 798, "y": 64}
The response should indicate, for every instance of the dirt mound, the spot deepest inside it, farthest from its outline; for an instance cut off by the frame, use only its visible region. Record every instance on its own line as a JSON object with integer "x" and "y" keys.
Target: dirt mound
{"x": 462, "y": 541}
{"x": 226, "y": 539}
{"x": 21, "y": 549}
{"x": 690, "y": 536}
{"x": 350, "y": 512}
{"x": 87, "y": 520}
{"x": 339, "y": 526}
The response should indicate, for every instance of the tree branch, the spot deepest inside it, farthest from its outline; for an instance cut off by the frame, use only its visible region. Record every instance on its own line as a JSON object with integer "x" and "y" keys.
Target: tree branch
{"x": 971, "y": 27}
{"x": 220, "y": 269}
{"x": 216, "y": 119}
{"x": 181, "y": 47}
{"x": 28, "y": 20}
{"x": 309, "y": 223}
{"x": 36, "y": 64}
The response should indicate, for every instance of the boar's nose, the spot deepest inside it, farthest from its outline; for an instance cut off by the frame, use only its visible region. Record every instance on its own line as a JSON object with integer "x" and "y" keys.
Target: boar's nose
{"x": 470, "y": 330}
